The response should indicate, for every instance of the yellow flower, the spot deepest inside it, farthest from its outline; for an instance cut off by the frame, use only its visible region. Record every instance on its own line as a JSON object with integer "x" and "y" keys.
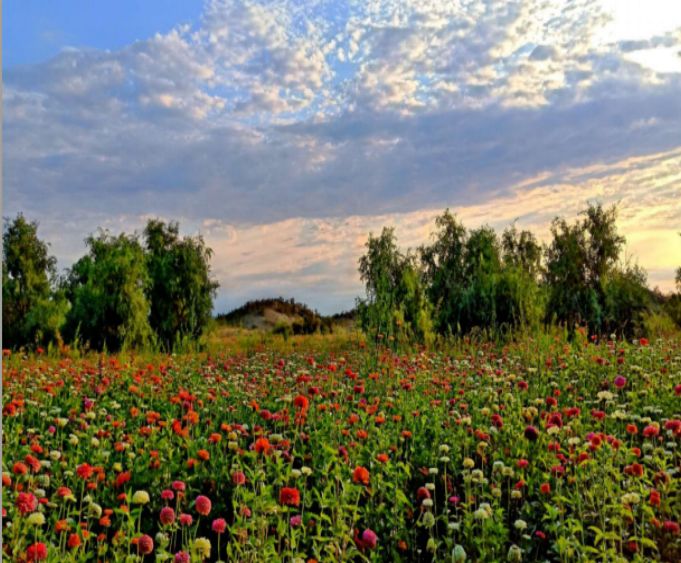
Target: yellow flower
{"x": 36, "y": 519}
{"x": 140, "y": 497}
{"x": 202, "y": 547}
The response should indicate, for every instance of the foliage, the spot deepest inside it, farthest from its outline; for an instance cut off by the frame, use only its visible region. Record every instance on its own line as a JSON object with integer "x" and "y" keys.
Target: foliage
{"x": 107, "y": 289}
{"x": 180, "y": 290}
{"x": 396, "y": 307}
{"x": 539, "y": 449}
{"x": 31, "y": 313}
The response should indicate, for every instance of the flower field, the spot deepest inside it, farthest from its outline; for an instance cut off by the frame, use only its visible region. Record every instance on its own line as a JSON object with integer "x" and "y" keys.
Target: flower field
{"x": 539, "y": 450}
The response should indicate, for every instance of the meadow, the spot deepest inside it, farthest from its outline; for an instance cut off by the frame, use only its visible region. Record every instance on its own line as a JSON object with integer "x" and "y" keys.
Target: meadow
{"x": 327, "y": 449}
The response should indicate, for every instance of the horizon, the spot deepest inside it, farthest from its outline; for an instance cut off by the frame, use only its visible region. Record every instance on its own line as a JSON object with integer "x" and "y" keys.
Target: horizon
{"x": 284, "y": 134}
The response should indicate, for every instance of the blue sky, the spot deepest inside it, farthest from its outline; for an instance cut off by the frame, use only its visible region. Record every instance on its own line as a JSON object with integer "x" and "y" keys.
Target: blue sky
{"x": 285, "y": 132}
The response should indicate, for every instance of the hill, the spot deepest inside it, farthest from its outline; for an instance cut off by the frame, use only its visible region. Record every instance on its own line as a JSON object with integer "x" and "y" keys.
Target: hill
{"x": 283, "y": 315}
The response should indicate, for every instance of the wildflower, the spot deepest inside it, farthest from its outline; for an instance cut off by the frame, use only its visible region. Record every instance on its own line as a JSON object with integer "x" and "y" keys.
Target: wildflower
{"x": 545, "y": 488}
{"x": 520, "y": 525}
{"x": 672, "y": 527}
{"x": 36, "y": 519}
{"x": 36, "y": 552}
{"x": 263, "y": 446}
{"x": 167, "y": 516}
{"x": 289, "y": 496}
{"x": 202, "y": 547}
{"x": 620, "y": 381}
{"x": 140, "y": 497}
{"x": 26, "y": 502}
{"x": 219, "y": 525}
{"x": 369, "y": 539}
{"x": 203, "y": 505}
{"x": 145, "y": 544}
{"x": 459, "y": 554}
{"x": 181, "y": 557}
{"x": 360, "y": 475}
{"x": 515, "y": 554}
{"x": 531, "y": 433}
{"x": 73, "y": 541}
{"x": 85, "y": 471}
{"x": 295, "y": 521}
{"x": 238, "y": 478}
{"x": 186, "y": 519}
{"x": 178, "y": 485}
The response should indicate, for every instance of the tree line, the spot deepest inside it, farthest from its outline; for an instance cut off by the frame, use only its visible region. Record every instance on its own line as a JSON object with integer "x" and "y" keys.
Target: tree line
{"x": 467, "y": 280}
{"x": 125, "y": 292}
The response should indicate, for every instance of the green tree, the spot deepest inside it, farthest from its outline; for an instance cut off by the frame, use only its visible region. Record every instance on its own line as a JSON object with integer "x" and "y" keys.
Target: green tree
{"x": 32, "y": 313}
{"x": 181, "y": 290}
{"x": 522, "y": 251}
{"x": 396, "y": 306}
{"x": 626, "y": 300}
{"x": 481, "y": 270}
{"x": 107, "y": 289}
{"x": 443, "y": 264}
{"x": 571, "y": 298}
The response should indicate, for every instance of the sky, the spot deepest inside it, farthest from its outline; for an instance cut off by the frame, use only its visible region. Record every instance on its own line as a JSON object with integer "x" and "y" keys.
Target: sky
{"x": 285, "y": 132}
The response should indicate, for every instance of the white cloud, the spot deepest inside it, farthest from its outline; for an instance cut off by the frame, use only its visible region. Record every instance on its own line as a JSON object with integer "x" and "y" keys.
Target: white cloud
{"x": 269, "y": 111}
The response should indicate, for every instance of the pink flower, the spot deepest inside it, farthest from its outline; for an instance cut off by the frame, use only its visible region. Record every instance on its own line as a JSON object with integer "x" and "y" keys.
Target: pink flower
{"x": 167, "y": 516}
{"x": 296, "y": 521}
{"x": 167, "y": 494}
{"x": 369, "y": 538}
{"x": 179, "y": 485}
{"x": 186, "y": 519}
{"x": 203, "y": 505}
{"x": 620, "y": 381}
{"x": 219, "y": 525}
{"x": 182, "y": 557}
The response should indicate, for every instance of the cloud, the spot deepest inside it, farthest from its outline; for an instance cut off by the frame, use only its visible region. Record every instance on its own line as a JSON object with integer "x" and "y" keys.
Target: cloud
{"x": 266, "y": 112}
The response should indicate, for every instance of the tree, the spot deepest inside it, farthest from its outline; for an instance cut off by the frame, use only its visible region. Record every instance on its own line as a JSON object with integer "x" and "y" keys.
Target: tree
{"x": 571, "y": 298}
{"x": 181, "y": 290}
{"x": 31, "y": 313}
{"x": 107, "y": 289}
{"x": 522, "y": 251}
{"x": 444, "y": 273}
{"x": 396, "y": 306}
{"x": 481, "y": 270}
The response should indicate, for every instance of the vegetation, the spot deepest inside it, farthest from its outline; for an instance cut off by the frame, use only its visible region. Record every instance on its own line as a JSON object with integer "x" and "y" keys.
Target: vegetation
{"x": 467, "y": 281}
{"x": 537, "y": 450}
{"x": 119, "y": 295}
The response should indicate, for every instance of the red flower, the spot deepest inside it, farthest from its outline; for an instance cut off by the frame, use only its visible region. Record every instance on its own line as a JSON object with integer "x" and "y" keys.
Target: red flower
{"x": 651, "y": 431}
{"x": 301, "y": 402}
{"x": 672, "y": 527}
{"x": 239, "y": 478}
{"x": 26, "y": 502}
{"x": 289, "y": 496}
{"x": 360, "y": 475}
{"x": 219, "y": 526}
{"x": 20, "y": 468}
{"x": 74, "y": 541}
{"x": 145, "y": 545}
{"x": 545, "y": 488}
{"x": 122, "y": 478}
{"x": 36, "y": 552}
{"x": 85, "y": 471}
{"x": 654, "y": 498}
{"x": 203, "y": 505}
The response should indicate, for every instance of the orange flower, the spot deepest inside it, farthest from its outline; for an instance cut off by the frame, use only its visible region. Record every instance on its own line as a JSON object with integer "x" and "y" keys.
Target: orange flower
{"x": 360, "y": 475}
{"x": 203, "y": 455}
{"x": 263, "y": 446}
